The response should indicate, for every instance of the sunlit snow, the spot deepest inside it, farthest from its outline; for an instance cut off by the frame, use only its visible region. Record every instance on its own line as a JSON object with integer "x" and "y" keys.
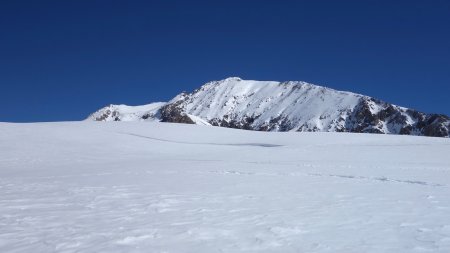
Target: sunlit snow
{"x": 160, "y": 187}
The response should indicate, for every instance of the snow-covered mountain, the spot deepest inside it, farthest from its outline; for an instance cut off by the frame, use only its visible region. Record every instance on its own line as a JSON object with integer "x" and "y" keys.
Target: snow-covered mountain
{"x": 282, "y": 106}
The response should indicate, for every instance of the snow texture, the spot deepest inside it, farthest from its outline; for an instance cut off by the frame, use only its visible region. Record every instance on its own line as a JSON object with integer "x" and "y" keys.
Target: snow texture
{"x": 162, "y": 187}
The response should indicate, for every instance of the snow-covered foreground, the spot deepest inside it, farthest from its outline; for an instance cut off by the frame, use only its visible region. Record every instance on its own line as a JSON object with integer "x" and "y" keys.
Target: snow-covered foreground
{"x": 155, "y": 187}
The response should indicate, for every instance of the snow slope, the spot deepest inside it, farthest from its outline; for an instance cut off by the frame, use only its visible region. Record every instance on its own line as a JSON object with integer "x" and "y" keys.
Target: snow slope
{"x": 161, "y": 187}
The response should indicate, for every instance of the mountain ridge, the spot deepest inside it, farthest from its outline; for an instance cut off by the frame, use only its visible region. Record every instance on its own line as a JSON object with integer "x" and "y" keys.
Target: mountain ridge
{"x": 282, "y": 106}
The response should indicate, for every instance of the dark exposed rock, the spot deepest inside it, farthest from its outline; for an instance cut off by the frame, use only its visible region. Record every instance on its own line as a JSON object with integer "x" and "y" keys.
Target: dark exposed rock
{"x": 227, "y": 121}
{"x": 174, "y": 113}
{"x": 437, "y": 125}
{"x": 362, "y": 120}
{"x": 406, "y": 130}
{"x": 103, "y": 116}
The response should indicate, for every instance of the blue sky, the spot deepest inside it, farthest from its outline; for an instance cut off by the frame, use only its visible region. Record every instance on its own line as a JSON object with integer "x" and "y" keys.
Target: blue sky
{"x": 61, "y": 60}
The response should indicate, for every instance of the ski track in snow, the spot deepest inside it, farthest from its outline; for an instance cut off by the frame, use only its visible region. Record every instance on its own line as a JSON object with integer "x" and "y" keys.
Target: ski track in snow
{"x": 264, "y": 145}
{"x": 381, "y": 179}
{"x": 81, "y": 187}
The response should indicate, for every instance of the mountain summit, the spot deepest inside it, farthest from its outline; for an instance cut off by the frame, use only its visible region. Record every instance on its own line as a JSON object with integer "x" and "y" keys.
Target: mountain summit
{"x": 282, "y": 106}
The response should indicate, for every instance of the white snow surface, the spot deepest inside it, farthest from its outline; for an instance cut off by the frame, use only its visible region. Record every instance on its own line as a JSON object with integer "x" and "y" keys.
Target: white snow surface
{"x": 161, "y": 187}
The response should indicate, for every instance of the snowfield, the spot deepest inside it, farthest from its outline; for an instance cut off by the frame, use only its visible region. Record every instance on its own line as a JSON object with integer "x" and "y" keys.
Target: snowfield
{"x": 161, "y": 187}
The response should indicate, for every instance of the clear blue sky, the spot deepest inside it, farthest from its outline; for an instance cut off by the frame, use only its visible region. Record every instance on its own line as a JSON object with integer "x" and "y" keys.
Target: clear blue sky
{"x": 61, "y": 60}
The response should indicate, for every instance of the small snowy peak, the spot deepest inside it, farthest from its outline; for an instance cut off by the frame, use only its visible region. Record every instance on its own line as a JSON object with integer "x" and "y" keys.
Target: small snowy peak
{"x": 127, "y": 113}
{"x": 233, "y": 78}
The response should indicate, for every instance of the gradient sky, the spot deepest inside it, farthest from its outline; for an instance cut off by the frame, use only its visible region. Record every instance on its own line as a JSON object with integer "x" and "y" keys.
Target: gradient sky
{"x": 61, "y": 60}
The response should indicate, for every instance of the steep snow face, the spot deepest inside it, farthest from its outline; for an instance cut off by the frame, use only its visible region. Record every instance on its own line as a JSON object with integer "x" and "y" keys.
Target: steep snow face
{"x": 283, "y": 106}
{"x": 271, "y": 106}
{"x": 127, "y": 113}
